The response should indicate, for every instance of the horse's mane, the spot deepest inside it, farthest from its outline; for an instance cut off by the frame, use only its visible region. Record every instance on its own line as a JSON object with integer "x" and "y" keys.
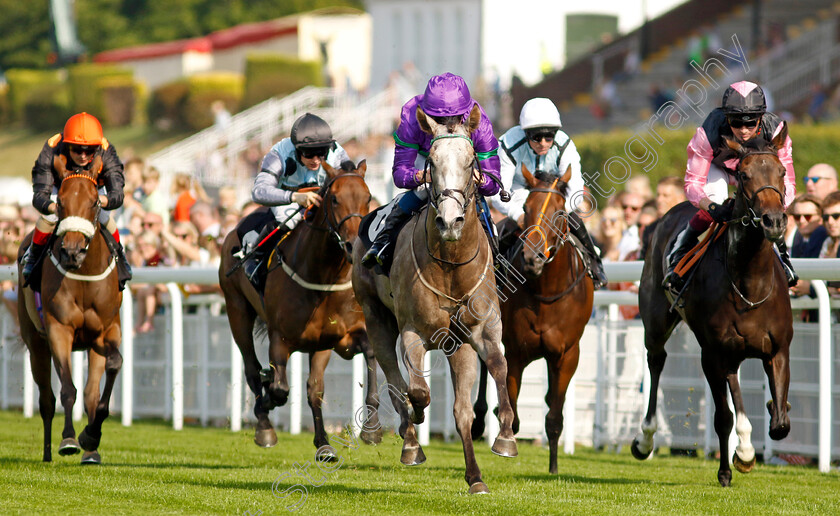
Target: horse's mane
{"x": 547, "y": 178}
{"x": 450, "y": 122}
{"x": 757, "y": 144}
{"x": 347, "y": 166}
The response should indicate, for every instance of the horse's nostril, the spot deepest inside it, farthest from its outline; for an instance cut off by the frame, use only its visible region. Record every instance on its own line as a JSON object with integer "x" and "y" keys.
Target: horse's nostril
{"x": 439, "y": 223}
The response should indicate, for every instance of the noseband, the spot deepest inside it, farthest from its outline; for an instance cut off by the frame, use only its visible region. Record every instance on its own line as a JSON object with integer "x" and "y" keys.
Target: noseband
{"x": 75, "y": 223}
{"x": 749, "y": 200}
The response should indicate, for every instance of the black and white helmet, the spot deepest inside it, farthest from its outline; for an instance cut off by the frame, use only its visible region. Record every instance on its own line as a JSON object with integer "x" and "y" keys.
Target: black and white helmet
{"x": 310, "y": 131}
{"x": 744, "y": 100}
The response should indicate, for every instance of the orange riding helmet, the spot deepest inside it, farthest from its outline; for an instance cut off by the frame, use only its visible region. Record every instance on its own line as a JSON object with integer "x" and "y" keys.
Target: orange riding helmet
{"x": 83, "y": 129}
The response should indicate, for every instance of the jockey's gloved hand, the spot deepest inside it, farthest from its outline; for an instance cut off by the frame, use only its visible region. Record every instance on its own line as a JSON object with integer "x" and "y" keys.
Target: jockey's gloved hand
{"x": 720, "y": 212}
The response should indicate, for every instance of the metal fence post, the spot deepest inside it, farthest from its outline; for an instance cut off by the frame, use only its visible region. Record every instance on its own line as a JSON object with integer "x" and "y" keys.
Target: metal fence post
{"x": 127, "y": 323}
{"x": 177, "y": 356}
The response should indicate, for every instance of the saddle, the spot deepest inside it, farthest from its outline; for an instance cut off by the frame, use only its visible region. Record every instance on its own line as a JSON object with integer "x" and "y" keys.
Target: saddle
{"x": 686, "y": 264}
{"x": 371, "y": 226}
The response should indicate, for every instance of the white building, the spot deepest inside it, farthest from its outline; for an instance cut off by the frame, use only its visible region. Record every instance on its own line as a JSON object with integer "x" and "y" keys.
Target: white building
{"x": 344, "y": 34}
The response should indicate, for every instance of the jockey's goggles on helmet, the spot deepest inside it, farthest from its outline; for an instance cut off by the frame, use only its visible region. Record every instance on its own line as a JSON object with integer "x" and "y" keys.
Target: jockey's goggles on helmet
{"x": 740, "y": 122}
{"x": 315, "y": 152}
{"x": 83, "y": 149}
{"x": 537, "y": 137}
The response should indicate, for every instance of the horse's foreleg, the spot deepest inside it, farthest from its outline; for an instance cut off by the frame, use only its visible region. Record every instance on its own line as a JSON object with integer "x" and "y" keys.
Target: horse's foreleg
{"x": 278, "y": 354}
{"x": 778, "y": 376}
{"x": 61, "y": 342}
{"x": 642, "y": 446}
{"x": 414, "y": 351}
{"x": 39, "y": 361}
{"x": 480, "y": 406}
{"x": 315, "y": 392}
{"x": 368, "y": 420}
{"x": 91, "y": 435}
{"x": 462, "y": 363}
{"x": 487, "y": 345}
{"x": 716, "y": 376}
{"x": 560, "y": 372}
{"x": 744, "y": 457}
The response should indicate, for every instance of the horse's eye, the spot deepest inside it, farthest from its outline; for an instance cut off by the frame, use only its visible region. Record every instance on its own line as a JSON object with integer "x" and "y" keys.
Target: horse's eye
{"x": 333, "y": 199}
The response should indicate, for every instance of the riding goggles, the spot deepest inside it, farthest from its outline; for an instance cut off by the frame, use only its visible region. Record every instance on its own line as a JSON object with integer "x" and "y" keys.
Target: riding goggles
{"x": 738, "y": 123}
{"x": 83, "y": 149}
{"x": 317, "y": 152}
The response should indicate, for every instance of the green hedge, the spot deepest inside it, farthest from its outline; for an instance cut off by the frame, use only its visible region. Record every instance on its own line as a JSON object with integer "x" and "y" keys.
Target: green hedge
{"x": 118, "y": 97}
{"x": 166, "y": 105}
{"x": 47, "y": 109}
{"x": 83, "y": 81}
{"x": 204, "y": 90}
{"x": 5, "y": 108}
{"x": 25, "y": 84}
{"x": 812, "y": 144}
{"x": 272, "y": 75}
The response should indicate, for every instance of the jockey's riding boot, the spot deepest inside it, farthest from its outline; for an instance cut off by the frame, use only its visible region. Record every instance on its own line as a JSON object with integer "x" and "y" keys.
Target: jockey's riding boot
{"x": 30, "y": 258}
{"x": 123, "y": 267}
{"x": 784, "y": 256}
{"x": 596, "y": 267}
{"x": 253, "y": 266}
{"x": 393, "y": 222}
{"x": 685, "y": 241}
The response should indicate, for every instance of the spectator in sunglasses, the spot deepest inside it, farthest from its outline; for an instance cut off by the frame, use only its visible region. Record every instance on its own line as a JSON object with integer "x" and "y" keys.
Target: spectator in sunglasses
{"x": 820, "y": 180}
{"x": 80, "y": 145}
{"x": 539, "y": 145}
{"x": 292, "y": 164}
{"x": 806, "y": 212}
{"x": 742, "y": 116}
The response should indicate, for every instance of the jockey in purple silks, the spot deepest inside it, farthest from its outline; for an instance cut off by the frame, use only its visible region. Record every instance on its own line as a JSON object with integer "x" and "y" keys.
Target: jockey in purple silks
{"x": 742, "y": 116}
{"x": 446, "y": 99}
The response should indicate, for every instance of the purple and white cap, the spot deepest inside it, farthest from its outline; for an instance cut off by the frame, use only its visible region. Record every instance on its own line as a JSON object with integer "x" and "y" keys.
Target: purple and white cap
{"x": 446, "y": 95}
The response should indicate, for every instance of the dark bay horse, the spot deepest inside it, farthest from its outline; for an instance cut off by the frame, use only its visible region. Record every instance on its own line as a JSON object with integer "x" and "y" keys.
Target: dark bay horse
{"x": 545, "y": 316}
{"x": 81, "y": 311}
{"x": 441, "y": 292}
{"x": 737, "y": 305}
{"x": 308, "y": 304}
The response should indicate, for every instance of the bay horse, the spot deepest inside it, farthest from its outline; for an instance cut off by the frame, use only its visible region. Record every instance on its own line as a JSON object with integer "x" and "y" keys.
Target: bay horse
{"x": 441, "y": 292}
{"x": 737, "y": 304}
{"x": 308, "y": 305}
{"x": 81, "y": 311}
{"x": 545, "y": 315}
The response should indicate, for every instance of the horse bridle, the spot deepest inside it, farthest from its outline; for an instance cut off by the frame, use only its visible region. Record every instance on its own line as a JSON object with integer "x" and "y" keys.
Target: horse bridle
{"x": 467, "y": 193}
{"x": 60, "y": 229}
{"x": 549, "y": 250}
{"x": 334, "y": 227}
{"x": 752, "y": 217}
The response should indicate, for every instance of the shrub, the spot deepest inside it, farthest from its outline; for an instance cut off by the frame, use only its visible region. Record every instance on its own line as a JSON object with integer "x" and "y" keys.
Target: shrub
{"x": 271, "y": 75}
{"x": 24, "y": 84}
{"x": 83, "y": 79}
{"x": 166, "y": 104}
{"x": 47, "y": 109}
{"x": 118, "y": 99}
{"x": 204, "y": 90}
{"x": 5, "y": 108}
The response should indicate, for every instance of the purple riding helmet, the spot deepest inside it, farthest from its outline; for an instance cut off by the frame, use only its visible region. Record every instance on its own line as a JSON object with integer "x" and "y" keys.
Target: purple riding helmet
{"x": 446, "y": 95}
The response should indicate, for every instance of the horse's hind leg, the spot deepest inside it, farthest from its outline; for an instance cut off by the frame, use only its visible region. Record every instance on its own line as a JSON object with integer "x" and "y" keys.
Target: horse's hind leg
{"x": 61, "y": 340}
{"x": 480, "y": 406}
{"x": 717, "y": 376}
{"x": 315, "y": 394}
{"x": 642, "y": 446}
{"x": 39, "y": 361}
{"x": 369, "y": 425}
{"x": 560, "y": 372}
{"x": 463, "y": 366}
{"x": 778, "y": 375}
{"x": 744, "y": 457}
{"x": 241, "y": 317}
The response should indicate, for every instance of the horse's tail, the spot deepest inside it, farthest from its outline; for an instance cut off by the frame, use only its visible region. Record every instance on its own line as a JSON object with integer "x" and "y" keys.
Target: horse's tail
{"x": 260, "y": 329}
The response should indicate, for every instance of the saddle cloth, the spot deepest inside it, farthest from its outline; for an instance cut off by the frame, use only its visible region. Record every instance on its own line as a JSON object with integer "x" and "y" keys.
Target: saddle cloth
{"x": 696, "y": 253}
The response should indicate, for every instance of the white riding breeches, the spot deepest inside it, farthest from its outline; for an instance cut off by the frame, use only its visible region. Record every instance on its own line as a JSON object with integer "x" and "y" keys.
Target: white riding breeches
{"x": 717, "y": 184}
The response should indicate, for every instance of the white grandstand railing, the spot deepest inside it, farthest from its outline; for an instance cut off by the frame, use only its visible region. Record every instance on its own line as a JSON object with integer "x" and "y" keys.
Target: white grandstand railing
{"x": 815, "y": 270}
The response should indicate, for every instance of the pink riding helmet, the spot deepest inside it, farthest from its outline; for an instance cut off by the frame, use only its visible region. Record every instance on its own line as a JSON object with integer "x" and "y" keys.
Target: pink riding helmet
{"x": 446, "y": 95}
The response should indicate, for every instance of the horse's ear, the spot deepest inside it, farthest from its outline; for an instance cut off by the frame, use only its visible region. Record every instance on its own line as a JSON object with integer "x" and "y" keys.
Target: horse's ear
{"x": 60, "y": 164}
{"x": 734, "y": 145}
{"x": 781, "y": 136}
{"x": 475, "y": 119}
{"x": 362, "y": 168}
{"x": 529, "y": 178}
{"x": 568, "y": 175}
{"x": 427, "y": 123}
{"x": 331, "y": 172}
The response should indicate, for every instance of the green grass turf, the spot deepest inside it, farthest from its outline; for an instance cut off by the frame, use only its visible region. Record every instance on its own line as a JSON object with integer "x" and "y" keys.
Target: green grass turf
{"x": 151, "y": 469}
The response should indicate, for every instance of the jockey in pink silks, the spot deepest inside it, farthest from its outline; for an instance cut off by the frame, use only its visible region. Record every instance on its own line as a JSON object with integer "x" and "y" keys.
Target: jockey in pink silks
{"x": 743, "y": 116}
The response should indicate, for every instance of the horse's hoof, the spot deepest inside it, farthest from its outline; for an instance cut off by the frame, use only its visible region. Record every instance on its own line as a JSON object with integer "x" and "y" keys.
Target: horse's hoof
{"x": 743, "y": 467}
{"x": 413, "y": 456}
{"x": 504, "y": 447}
{"x": 725, "y": 477}
{"x": 479, "y": 488}
{"x": 88, "y": 442}
{"x": 91, "y": 457}
{"x": 779, "y": 433}
{"x": 265, "y": 438}
{"x": 325, "y": 454}
{"x": 639, "y": 454}
{"x": 374, "y": 437}
{"x": 69, "y": 446}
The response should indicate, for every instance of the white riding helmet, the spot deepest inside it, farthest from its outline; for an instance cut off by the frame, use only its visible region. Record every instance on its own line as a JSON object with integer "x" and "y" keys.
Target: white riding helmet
{"x": 539, "y": 112}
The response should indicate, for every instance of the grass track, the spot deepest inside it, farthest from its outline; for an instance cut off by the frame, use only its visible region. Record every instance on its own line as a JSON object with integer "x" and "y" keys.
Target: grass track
{"x": 151, "y": 469}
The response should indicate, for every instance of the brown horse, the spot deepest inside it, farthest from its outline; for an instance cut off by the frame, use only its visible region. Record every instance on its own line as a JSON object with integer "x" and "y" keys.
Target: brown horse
{"x": 737, "y": 305}
{"x": 308, "y": 304}
{"x": 545, "y": 315}
{"x": 81, "y": 307}
{"x": 441, "y": 292}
